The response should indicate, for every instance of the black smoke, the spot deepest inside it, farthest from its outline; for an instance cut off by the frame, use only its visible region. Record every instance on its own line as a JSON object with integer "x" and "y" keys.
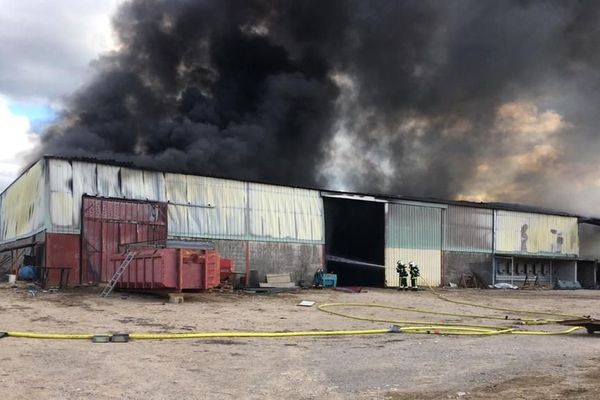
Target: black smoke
{"x": 261, "y": 89}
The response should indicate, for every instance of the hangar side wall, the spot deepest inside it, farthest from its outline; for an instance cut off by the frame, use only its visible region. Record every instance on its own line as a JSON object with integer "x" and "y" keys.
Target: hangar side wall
{"x": 454, "y": 264}
{"x": 300, "y": 260}
{"x": 589, "y": 241}
{"x": 468, "y": 229}
{"x": 413, "y": 233}
{"x": 23, "y": 205}
{"x": 198, "y": 207}
{"x": 63, "y": 250}
{"x": 529, "y": 234}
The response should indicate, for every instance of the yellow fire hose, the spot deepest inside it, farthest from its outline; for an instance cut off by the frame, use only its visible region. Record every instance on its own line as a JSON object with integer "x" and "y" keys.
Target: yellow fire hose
{"x": 200, "y": 335}
{"x": 400, "y": 326}
{"x": 454, "y": 328}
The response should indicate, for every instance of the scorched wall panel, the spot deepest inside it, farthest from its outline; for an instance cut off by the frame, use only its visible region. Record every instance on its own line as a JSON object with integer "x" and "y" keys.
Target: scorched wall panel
{"x": 23, "y": 204}
{"x": 536, "y": 234}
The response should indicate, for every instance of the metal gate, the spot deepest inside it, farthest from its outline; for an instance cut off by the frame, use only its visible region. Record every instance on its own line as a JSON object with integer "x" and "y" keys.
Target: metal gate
{"x": 110, "y": 223}
{"x": 414, "y": 233}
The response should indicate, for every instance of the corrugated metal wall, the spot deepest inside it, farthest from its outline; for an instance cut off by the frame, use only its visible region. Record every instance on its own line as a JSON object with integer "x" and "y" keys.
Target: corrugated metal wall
{"x": 528, "y": 233}
{"x": 468, "y": 229}
{"x": 110, "y": 223}
{"x": 413, "y": 233}
{"x": 589, "y": 241}
{"x": 23, "y": 205}
{"x": 199, "y": 207}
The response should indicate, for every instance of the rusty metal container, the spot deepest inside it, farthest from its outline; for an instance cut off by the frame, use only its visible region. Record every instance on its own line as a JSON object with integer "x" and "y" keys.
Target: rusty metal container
{"x": 169, "y": 269}
{"x": 226, "y": 267}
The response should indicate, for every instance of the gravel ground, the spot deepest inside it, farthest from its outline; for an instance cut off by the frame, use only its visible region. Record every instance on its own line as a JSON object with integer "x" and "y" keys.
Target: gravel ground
{"x": 392, "y": 366}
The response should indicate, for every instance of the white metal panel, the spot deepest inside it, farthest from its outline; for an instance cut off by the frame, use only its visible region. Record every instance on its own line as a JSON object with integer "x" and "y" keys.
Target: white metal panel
{"x": 211, "y": 208}
{"x": 108, "y": 181}
{"x": 154, "y": 186}
{"x": 270, "y": 213}
{"x": 429, "y": 262}
{"x": 225, "y": 204}
{"x": 176, "y": 188}
{"x": 413, "y": 233}
{"x": 61, "y": 195}
{"x": 285, "y": 213}
{"x": 132, "y": 184}
{"x": 178, "y": 221}
{"x": 308, "y": 209}
{"x": 529, "y": 233}
{"x": 61, "y": 211}
{"x": 84, "y": 182}
{"x": 198, "y": 206}
{"x": 195, "y": 190}
{"x": 60, "y": 175}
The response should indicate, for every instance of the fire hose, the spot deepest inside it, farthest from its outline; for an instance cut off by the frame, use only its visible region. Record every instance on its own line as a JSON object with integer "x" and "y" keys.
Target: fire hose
{"x": 399, "y": 326}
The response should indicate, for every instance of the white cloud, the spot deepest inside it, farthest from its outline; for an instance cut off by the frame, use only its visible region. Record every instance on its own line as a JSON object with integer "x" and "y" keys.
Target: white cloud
{"x": 47, "y": 46}
{"x": 16, "y": 139}
{"x": 46, "y": 49}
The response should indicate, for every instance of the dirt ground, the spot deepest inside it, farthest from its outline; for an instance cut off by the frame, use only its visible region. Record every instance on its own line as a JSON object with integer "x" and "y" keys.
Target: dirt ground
{"x": 386, "y": 366}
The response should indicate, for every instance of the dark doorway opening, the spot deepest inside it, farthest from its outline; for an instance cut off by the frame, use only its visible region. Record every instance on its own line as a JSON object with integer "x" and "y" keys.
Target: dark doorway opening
{"x": 355, "y": 241}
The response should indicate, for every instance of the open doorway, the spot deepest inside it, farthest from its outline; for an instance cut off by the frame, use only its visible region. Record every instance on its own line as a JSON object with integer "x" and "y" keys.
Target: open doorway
{"x": 355, "y": 241}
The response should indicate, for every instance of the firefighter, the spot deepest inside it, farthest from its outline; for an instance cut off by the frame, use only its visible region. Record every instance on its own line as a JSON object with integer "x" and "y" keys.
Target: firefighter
{"x": 401, "y": 270}
{"x": 318, "y": 278}
{"x": 414, "y": 274}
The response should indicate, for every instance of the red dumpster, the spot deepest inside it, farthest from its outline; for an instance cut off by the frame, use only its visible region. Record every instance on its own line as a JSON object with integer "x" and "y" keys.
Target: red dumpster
{"x": 168, "y": 269}
{"x": 226, "y": 268}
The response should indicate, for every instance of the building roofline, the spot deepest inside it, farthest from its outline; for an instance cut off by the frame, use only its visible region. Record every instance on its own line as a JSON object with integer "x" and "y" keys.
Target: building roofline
{"x": 491, "y": 205}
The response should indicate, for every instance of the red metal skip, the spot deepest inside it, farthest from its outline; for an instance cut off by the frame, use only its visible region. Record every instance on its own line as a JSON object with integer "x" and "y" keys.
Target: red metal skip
{"x": 169, "y": 269}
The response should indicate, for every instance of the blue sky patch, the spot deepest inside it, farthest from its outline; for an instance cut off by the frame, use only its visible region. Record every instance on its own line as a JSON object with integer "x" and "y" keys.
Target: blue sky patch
{"x": 39, "y": 115}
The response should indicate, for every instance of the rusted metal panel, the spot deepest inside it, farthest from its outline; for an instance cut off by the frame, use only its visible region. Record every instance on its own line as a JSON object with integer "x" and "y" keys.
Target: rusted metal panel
{"x": 468, "y": 229}
{"x": 413, "y": 233}
{"x": 110, "y": 223}
{"x": 63, "y": 250}
{"x": 169, "y": 269}
{"x": 540, "y": 234}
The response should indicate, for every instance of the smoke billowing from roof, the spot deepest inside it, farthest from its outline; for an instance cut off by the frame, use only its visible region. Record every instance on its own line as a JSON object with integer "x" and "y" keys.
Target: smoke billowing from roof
{"x": 479, "y": 100}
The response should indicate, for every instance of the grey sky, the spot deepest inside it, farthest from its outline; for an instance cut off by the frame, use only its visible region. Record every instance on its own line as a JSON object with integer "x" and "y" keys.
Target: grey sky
{"x": 46, "y": 49}
{"x": 46, "y": 46}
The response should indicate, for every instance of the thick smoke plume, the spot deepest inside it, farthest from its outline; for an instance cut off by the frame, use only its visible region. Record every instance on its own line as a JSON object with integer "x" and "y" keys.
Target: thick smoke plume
{"x": 482, "y": 100}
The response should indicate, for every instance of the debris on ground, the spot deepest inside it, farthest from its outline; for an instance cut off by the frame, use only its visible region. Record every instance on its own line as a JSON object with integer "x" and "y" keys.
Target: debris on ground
{"x": 503, "y": 285}
{"x": 349, "y": 289}
{"x": 567, "y": 285}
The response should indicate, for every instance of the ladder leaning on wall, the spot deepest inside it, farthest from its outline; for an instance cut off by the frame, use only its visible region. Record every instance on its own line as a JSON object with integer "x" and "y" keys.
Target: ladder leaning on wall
{"x": 118, "y": 273}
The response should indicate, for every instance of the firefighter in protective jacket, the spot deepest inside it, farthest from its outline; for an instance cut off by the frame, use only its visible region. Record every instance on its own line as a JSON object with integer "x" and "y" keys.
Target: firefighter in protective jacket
{"x": 401, "y": 270}
{"x": 414, "y": 274}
